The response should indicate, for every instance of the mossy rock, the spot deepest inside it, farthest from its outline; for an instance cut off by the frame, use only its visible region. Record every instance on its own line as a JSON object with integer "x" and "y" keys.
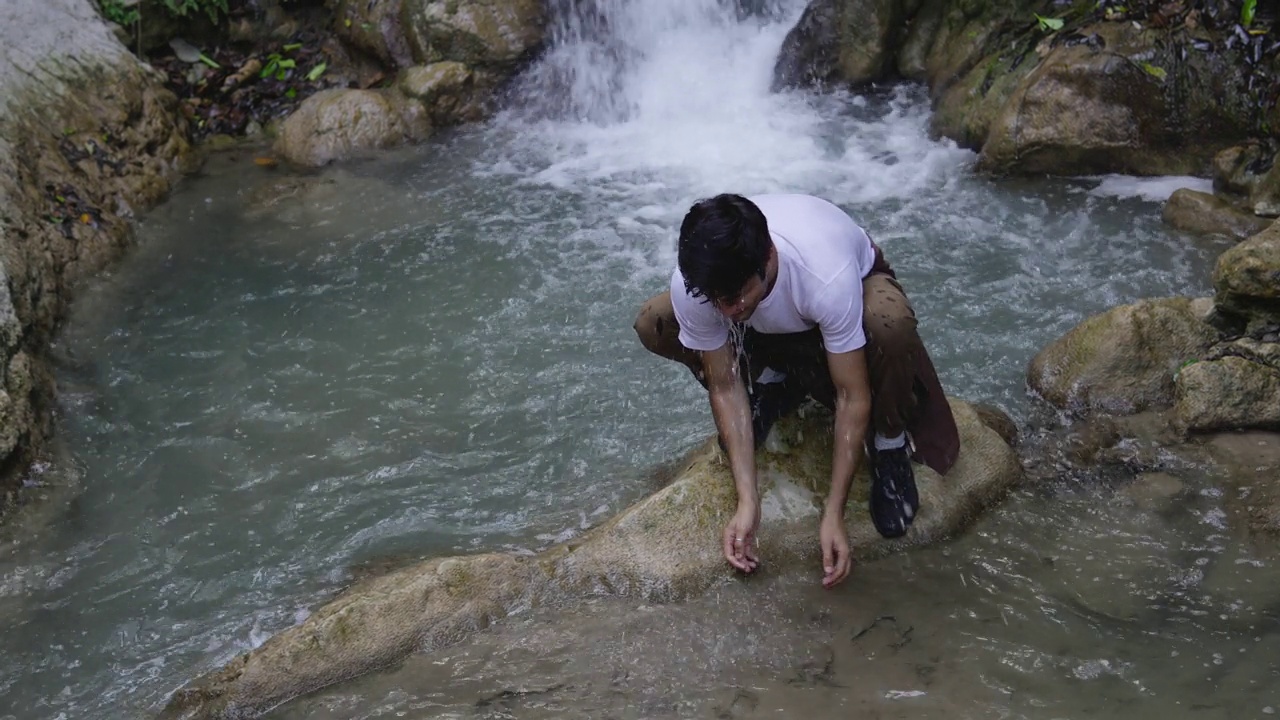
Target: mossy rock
{"x": 1123, "y": 361}
{"x": 1246, "y": 279}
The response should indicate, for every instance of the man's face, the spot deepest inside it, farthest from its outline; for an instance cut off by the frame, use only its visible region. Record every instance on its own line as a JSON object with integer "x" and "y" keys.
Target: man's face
{"x": 740, "y": 307}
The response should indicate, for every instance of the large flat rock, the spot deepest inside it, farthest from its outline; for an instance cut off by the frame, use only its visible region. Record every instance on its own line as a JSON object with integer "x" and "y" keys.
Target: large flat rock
{"x": 663, "y": 548}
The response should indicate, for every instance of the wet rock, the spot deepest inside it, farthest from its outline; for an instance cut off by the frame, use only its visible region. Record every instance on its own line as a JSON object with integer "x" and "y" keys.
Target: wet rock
{"x": 1207, "y": 214}
{"x": 1246, "y": 279}
{"x": 1123, "y": 361}
{"x": 947, "y": 40}
{"x": 1250, "y": 462}
{"x": 446, "y": 89}
{"x": 850, "y": 42}
{"x": 997, "y": 419}
{"x": 337, "y": 124}
{"x": 495, "y": 36}
{"x": 1227, "y": 394}
{"x": 663, "y": 548}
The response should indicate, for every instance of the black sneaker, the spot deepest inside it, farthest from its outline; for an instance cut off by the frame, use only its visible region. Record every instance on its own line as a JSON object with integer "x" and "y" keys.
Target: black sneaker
{"x": 769, "y": 403}
{"x": 894, "y": 498}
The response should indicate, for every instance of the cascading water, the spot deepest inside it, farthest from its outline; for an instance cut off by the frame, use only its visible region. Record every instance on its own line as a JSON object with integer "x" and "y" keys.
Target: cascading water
{"x": 430, "y": 353}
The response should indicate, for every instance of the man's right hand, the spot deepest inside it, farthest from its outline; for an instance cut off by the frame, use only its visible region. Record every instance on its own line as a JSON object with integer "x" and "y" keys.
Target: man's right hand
{"x": 740, "y": 537}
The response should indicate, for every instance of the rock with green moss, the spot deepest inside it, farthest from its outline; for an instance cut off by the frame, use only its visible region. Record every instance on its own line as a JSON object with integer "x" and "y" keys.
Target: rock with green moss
{"x": 1123, "y": 361}
{"x": 1246, "y": 279}
{"x": 1228, "y": 394}
{"x": 665, "y": 547}
{"x": 1202, "y": 213}
{"x": 337, "y": 124}
{"x": 1237, "y": 170}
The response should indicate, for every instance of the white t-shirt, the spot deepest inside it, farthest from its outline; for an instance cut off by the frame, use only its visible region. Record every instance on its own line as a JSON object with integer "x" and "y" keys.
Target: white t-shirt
{"x": 822, "y": 257}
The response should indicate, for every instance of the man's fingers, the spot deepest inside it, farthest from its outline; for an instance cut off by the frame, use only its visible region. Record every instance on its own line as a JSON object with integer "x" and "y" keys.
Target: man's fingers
{"x": 827, "y": 559}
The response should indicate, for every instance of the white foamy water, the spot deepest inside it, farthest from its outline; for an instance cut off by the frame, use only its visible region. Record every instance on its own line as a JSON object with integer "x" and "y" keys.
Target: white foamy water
{"x": 431, "y": 353}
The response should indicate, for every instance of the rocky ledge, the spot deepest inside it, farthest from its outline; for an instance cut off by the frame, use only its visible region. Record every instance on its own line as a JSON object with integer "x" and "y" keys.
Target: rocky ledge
{"x": 88, "y": 137}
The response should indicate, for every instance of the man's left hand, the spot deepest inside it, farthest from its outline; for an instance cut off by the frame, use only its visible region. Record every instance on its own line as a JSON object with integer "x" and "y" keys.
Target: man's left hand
{"x": 835, "y": 550}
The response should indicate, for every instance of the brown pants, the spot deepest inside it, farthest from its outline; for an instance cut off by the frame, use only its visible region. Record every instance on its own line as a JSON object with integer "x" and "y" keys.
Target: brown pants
{"x": 892, "y": 349}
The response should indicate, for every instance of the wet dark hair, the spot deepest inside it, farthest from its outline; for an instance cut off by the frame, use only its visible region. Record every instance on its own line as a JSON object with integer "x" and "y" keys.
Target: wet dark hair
{"x": 724, "y": 240}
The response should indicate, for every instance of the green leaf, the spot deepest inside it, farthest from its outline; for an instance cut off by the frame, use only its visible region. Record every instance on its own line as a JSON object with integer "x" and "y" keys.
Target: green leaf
{"x": 291, "y": 47}
{"x": 288, "y": 64}
{"x": 209, "y": 61}
{"x": 1047, "y": 24}
{"x": 317, "y": 71}
{"x": 1155, "y": 71}
{"x": 1247, "y": 12}
{"x": 272, "y": 65}
{"x": 291, "y": 93}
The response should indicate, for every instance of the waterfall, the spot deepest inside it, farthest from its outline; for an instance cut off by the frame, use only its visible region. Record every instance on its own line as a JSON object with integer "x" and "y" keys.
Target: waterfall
{"x": 614, "y": 60}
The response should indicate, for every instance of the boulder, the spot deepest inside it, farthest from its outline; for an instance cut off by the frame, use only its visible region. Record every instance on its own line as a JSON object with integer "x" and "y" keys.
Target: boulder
{"x": 1227, "y": 394}
{"x": 446, "y": 89}
{"x": 338, "y": 123}
{"x": 1208, "y": 214}
{"x": 495, "y": 36}
{"x": 665, "y": 547}
{"x": 1264, "y": 195}
{"x": 851, "y": 42}
{"x": 1246, "y": 279}
{"x": 1123, "y": 361}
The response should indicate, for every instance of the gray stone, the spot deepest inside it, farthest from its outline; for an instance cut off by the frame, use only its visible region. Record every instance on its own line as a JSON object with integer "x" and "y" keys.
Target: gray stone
{"x": 337, "y": 124}
{"x": 1246, "y": 279}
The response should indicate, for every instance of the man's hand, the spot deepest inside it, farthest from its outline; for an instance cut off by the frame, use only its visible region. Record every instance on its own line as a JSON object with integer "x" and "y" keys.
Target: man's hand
{"x": 835, "y": 550}
{"x": 740, "y": 537}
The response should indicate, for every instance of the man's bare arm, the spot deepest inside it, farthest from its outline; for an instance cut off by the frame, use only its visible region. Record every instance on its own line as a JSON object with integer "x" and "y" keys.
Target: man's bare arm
{"x": 853, "y": 415}
{"x": 732, "y": 413}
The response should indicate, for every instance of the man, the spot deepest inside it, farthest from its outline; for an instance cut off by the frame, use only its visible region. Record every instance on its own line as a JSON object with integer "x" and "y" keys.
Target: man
{"x": 779, "y": 297}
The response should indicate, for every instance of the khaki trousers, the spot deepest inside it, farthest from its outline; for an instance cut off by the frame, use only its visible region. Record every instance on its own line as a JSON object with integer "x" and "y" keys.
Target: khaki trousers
{"x": 893, "y": 349}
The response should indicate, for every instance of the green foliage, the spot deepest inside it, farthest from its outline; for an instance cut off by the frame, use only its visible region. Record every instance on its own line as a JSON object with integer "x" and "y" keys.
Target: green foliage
{"x": 1247, "y": 12}
{"x": 120, "y": 12}
{"x": 1154, "y": 70}
{"x": 277, "y": 65}
{"x": 1048, "y": 24}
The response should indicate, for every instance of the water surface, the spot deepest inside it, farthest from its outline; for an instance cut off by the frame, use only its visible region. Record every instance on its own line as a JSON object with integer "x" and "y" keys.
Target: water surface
{"x": 429, "y": 352}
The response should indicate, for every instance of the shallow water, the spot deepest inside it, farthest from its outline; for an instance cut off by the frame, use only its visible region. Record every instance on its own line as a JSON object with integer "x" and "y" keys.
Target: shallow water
{"x": 429, "y": 352}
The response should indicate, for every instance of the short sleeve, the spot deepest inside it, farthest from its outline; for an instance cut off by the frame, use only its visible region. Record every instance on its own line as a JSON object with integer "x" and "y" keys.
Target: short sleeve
{"x": 838, "y": 312}
{"x": 702, "y": 327}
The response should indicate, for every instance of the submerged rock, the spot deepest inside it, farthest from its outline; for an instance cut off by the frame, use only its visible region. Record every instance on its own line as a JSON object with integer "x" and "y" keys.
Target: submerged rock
{"x": 1123, "y": 361}
{"x": 336, "y": 124}
{"x": 663, "y": 548}
{"x": 1208, "y": 214}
